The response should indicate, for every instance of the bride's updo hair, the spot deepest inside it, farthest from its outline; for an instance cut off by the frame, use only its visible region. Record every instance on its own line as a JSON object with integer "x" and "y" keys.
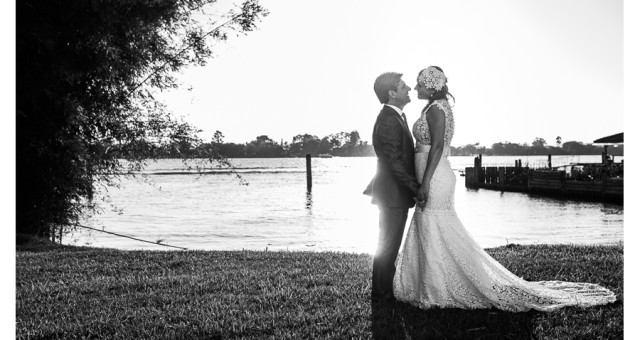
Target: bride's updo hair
{"x": 435, "y": 81}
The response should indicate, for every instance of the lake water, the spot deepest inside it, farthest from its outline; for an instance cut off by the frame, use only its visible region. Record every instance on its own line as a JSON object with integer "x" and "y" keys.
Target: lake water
{"x": 275, "y": 211}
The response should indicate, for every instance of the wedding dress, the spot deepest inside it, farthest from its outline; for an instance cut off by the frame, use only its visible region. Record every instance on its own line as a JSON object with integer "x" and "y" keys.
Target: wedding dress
{"x": 441, "y": 265}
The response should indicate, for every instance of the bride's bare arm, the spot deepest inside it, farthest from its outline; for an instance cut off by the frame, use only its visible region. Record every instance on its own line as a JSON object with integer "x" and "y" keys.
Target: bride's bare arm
{"x": 436, "y": 122}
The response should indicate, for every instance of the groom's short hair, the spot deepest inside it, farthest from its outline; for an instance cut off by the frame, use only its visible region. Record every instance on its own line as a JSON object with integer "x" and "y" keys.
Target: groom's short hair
{"x": 385, "y": 82}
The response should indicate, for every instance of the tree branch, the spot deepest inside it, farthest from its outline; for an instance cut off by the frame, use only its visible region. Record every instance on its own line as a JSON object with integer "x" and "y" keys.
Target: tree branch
{"x": 186, "y": 48}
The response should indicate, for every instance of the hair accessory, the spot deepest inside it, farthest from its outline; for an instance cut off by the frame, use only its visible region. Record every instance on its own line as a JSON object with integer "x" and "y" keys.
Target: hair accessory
{"x": 432, "y": 78}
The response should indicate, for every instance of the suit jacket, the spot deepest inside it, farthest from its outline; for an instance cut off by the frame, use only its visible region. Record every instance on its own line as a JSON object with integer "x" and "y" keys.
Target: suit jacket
{"x": 395, "y": 184}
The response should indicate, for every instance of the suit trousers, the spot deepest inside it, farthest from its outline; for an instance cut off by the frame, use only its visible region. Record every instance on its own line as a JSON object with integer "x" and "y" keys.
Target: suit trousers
{"x": 392, "y": 223}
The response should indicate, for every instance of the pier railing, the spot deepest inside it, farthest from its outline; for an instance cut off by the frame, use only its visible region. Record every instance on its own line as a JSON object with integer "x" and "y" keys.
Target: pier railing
{"x": 547, "y": 181}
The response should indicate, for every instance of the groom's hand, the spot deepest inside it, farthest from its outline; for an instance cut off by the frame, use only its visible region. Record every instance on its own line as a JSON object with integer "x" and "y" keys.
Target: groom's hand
{"x": 415, "y": 187}
{"x": 420, "y": 203}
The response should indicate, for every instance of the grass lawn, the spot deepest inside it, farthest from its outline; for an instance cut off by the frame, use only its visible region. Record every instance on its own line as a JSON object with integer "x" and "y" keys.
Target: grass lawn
{"x": 73, "y": 293}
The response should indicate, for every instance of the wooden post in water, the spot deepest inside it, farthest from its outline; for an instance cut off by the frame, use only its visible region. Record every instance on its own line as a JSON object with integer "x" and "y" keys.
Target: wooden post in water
{"x": 480, "y": 172}
{"x": 549, "y": 161}
{"x": 308, "y": 172}
{"x": 604, "y": 155}
{"x": 476, "y": 171}
{"x": 477, "y": 168}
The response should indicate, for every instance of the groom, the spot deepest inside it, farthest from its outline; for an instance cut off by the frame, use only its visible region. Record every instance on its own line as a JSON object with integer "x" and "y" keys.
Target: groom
{"x": 394, "y": 187}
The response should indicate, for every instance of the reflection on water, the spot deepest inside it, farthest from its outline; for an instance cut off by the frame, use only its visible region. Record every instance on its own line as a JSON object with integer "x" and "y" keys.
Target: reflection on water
{"x": 277, "y": 210}
{"x": 309, "y": 202}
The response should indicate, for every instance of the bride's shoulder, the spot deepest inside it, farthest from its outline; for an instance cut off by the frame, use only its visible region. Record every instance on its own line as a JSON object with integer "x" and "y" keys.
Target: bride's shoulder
{"x": 441, "y": 105}
{"x": 435, "y": 112}
{"x": 438, "y": 105}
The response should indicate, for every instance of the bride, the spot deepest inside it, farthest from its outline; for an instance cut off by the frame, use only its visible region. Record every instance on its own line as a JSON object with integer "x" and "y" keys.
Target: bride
{"x": 440, "y": 264}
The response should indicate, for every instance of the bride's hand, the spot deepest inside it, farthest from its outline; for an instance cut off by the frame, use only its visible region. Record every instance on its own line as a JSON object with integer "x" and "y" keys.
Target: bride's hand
{"x": 423, "y": 195}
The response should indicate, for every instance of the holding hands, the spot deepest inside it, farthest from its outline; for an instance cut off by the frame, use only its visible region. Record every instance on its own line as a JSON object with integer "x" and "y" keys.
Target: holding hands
{"x": 422, "y": 196}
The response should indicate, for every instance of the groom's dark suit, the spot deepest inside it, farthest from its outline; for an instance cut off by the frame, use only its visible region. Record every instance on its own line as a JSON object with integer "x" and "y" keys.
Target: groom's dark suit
{"x": 392, "y": 189}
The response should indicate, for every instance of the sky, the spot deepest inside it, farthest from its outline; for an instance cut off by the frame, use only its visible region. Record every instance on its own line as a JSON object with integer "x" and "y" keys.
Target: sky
{"x": 518, "y": 69}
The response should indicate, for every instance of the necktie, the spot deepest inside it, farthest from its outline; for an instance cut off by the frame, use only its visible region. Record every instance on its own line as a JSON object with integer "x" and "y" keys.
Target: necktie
{"x": 404, "y": 119}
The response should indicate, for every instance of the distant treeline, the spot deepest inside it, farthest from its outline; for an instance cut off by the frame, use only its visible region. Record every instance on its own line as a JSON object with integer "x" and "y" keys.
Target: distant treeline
{"x": 349, "y": 144}
{"x": 344, "y": 144}
{"x": 538, "y": 147}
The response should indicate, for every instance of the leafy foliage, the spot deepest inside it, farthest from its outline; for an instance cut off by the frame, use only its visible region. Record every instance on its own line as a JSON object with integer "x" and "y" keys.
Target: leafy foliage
{"x": 538, "y": 147}
{"x": 87, "y": 73}
{"x": 349, "y": 144}
{"x": 345, "y": 144}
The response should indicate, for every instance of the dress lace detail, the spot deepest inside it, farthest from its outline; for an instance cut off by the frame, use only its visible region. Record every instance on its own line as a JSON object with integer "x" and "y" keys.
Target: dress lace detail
{"x": 441, "y": 265}
{"x": 421, "y": 128}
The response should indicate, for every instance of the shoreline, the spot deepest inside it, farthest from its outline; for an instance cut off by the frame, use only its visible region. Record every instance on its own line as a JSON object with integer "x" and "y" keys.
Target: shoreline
{"x": 67, "y": 291}
{"x": 300, "y": 249}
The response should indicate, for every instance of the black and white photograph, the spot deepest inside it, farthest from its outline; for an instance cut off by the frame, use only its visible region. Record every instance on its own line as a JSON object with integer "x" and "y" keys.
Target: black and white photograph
{"x": 269, "y": 169}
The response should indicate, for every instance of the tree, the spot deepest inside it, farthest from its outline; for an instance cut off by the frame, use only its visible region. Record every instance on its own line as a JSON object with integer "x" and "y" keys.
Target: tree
{"x": 471, "y": 149}
{"x": 354, "y": 137}
{"x": 263, "y": 146}
{"x": 539, "y": 146}
{"x": 87, "y": 72}
{"x": 303, "y": 144}
{"x": 351, "y": 141}
{"x": 326, "y": 145}
{"x": 498, "y": 148}
{"x": 514, "y": 149}
{"x": 579, "y": 148}
{"x": 340, "y": 138}
{"x": 539, "y": 143}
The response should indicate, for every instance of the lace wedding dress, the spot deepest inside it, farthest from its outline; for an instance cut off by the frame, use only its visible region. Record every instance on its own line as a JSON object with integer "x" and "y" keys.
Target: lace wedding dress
{"x": 441, "y": 265}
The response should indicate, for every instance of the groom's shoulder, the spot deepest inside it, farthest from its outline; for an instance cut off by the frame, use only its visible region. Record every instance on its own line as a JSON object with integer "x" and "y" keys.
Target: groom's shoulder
{"x": 386, "y": 109}
{"x": 385, "y": 112}
{"x": 387, "y": 115}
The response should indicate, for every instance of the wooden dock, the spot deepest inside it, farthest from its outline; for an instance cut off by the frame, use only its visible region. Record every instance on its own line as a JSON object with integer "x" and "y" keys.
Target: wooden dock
{"x": 548, "y": 182}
